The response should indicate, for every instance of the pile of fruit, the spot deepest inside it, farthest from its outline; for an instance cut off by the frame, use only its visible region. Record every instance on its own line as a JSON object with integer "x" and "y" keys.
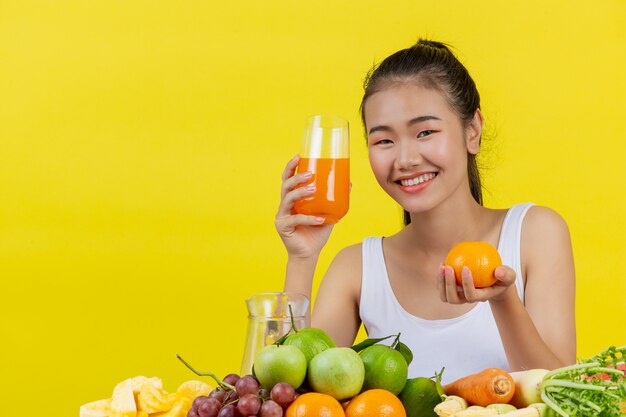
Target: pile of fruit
{"x": 145, "y": 397}
{"x": 305, "y": 375}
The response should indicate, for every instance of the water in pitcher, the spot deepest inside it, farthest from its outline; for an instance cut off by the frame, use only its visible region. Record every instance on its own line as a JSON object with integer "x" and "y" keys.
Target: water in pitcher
{"x": 269, "y": 319}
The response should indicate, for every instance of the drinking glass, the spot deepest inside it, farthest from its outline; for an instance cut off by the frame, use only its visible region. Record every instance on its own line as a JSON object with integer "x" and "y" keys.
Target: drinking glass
{"x": 269, "y": 319}
{"x": 326, "y": 153}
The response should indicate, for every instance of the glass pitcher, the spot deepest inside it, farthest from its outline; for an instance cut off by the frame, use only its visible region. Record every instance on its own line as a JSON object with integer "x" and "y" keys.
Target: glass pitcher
{"x": 269, "y": 320}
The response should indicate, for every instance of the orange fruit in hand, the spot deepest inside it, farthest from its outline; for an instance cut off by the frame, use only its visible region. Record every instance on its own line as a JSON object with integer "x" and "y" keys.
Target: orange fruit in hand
{"x": 315, "y": 404}
{"x": 481, "y": 258}
{"x": 375, "y": 403}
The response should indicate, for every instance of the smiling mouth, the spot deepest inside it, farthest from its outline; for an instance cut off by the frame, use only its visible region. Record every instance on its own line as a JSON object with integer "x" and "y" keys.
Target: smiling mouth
{"x": 417, "y": 180}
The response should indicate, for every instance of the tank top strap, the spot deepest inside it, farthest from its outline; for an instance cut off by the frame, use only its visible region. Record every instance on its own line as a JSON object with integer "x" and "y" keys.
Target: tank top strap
{"x": 373, "y": 268}
{"x": 509, "y": 244}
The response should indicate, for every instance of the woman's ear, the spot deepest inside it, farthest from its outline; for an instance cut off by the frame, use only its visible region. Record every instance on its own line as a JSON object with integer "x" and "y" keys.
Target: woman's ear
{"x": 473, "y": 133}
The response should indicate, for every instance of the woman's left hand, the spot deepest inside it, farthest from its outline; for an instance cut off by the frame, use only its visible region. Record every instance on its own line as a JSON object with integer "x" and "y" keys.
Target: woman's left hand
{"x": 451, "y": 292}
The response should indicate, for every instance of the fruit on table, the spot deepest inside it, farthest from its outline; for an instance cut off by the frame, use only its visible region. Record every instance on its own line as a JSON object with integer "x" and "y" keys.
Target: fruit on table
{"x": 283, "y": 394}
{"x": 310, "y": 341}
{"x": 481, "y": 258}
{"x": 123, "y": 400}
{"x": 375, "y": 402}
{"x": 280, "y": 363}
{"x": 225, "y": 402}
{"x": 419, "y": 397}
{"x": 315, "y": 404}
{"x": 385, "y": 368}
{"x": 98, "y": 408}
{"x": 144, "y": 397}
{"x": 338, "y": 372}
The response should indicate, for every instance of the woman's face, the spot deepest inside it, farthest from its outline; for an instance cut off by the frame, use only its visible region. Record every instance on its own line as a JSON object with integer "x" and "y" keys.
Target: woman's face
{"x": 418, "y": 146}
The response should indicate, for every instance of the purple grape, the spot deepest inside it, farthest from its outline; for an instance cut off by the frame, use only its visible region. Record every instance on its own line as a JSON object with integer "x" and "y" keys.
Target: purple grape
{"x": 219, "y": 394}
{"x": 231, "y": 379}
{"x": 247, "y": 385}
{"x": 197, "y": 401}
{"x": 271, "y": 409}
{"x": 229, "y": 411}
{"x": 283, "y": 394}
{"x": 192, "y": 413}
{"x": 209, "y": 408}
{"x": 249, "y": 405}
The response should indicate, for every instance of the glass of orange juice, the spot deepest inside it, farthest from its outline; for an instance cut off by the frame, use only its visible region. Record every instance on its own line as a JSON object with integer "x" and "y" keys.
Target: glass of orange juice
{"x": 326, "y": 153}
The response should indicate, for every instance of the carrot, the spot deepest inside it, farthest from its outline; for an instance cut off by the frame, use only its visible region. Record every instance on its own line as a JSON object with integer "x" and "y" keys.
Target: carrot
{"x": 492, "y": 385}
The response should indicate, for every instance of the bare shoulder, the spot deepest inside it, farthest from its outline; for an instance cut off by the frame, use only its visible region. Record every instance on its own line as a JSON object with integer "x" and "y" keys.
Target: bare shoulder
{"x": 543, "y": 223}
{"x": 546, "y": 241}
{"x": 346, "y": 267}
{"x": 349, "y": 254}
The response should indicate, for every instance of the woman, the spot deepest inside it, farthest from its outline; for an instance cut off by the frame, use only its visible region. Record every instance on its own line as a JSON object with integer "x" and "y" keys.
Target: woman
{"x": 422, "y": 117}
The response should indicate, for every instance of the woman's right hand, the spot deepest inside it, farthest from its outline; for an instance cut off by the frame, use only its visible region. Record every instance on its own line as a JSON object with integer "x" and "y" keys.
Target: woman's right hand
{"x": 303, "y": 236}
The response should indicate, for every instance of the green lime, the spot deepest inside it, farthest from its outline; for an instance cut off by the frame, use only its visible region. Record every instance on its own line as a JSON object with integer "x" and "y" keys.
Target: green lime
{"x": 385, "y": 368}
{"x": 420, "y": 397}
{"x": 310, "y": 341}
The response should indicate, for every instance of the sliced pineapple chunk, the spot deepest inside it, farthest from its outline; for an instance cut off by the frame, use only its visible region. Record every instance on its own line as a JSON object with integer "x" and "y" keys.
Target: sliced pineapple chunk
{"x": 179, "y": 409}
{"x": 192, "y": 389}
{"x": 99, "y": 408}
{"x": 123, "y": 400}
{"x": 152, "y": 399}
{"x": 138, "y": 381}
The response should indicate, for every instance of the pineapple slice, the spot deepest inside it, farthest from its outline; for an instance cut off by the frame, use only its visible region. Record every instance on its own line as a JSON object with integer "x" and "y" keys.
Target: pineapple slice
{"x": 99, "y": 408}
{"x": 192, "y": 389}
{"x": 138, "y": 381}
{"x": 123, "y": 400}
{"x": 152, "y": 399}
{"x": 179, "y": 409}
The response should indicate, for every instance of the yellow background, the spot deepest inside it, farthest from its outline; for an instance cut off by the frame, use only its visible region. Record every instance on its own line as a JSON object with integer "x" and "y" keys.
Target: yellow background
{"x": 142, "y": 142}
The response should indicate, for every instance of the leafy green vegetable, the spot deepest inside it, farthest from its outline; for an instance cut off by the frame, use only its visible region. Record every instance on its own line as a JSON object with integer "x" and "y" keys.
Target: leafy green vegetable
{"x": 591, "y": 388}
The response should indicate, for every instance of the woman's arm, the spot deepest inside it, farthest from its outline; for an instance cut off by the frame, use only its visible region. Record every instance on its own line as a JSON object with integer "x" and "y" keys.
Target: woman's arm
{"x": 336, "y": 309}
{"x": 541, "y": 333}
{"x": 303, "y": 236}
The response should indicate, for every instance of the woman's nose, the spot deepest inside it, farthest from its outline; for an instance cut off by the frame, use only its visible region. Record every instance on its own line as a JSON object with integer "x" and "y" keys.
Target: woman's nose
{"x": 409, "y": 155}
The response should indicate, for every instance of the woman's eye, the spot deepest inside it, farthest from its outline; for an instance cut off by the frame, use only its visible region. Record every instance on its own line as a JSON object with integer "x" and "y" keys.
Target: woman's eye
{"x": 383, "y": 142}
{"x": 424, "y": 133}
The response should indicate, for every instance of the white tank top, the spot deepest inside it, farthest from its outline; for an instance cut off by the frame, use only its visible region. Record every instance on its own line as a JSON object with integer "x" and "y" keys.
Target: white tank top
{"x": 463, "y": 345}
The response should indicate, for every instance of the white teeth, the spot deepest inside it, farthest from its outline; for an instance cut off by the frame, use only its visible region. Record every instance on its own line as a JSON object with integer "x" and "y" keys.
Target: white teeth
{"x": 418, "y": 180}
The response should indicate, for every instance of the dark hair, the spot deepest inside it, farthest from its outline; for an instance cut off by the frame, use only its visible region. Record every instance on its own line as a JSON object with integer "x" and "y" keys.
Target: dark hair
{"x": 433, "y": 65}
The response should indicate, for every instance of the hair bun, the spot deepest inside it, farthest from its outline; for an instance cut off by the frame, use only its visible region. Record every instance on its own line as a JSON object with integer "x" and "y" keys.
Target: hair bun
{"x": 432, "y": 44}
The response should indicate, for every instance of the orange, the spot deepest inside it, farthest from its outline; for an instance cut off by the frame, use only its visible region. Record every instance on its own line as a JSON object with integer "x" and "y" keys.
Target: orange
{"x": 480, "y": 257}
{"x": 315, "y": 404}
{"x": 375, "y": 403}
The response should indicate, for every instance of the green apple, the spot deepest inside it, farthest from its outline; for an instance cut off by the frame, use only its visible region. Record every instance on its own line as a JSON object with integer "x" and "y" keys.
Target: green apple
{"x": 338, "y": 372}
{"x": 276, "y": 363}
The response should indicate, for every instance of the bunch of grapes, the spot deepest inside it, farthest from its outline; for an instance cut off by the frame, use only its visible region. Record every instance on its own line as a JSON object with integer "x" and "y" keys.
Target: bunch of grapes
{"x": 248, "y": 399}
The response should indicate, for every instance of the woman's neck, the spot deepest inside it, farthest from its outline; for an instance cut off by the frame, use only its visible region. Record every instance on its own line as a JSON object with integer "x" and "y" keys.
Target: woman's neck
{"x": 437, "y": 230}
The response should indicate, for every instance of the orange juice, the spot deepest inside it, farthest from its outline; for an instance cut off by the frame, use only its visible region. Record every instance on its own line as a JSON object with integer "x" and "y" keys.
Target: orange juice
{"x": 331, "y": 177}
